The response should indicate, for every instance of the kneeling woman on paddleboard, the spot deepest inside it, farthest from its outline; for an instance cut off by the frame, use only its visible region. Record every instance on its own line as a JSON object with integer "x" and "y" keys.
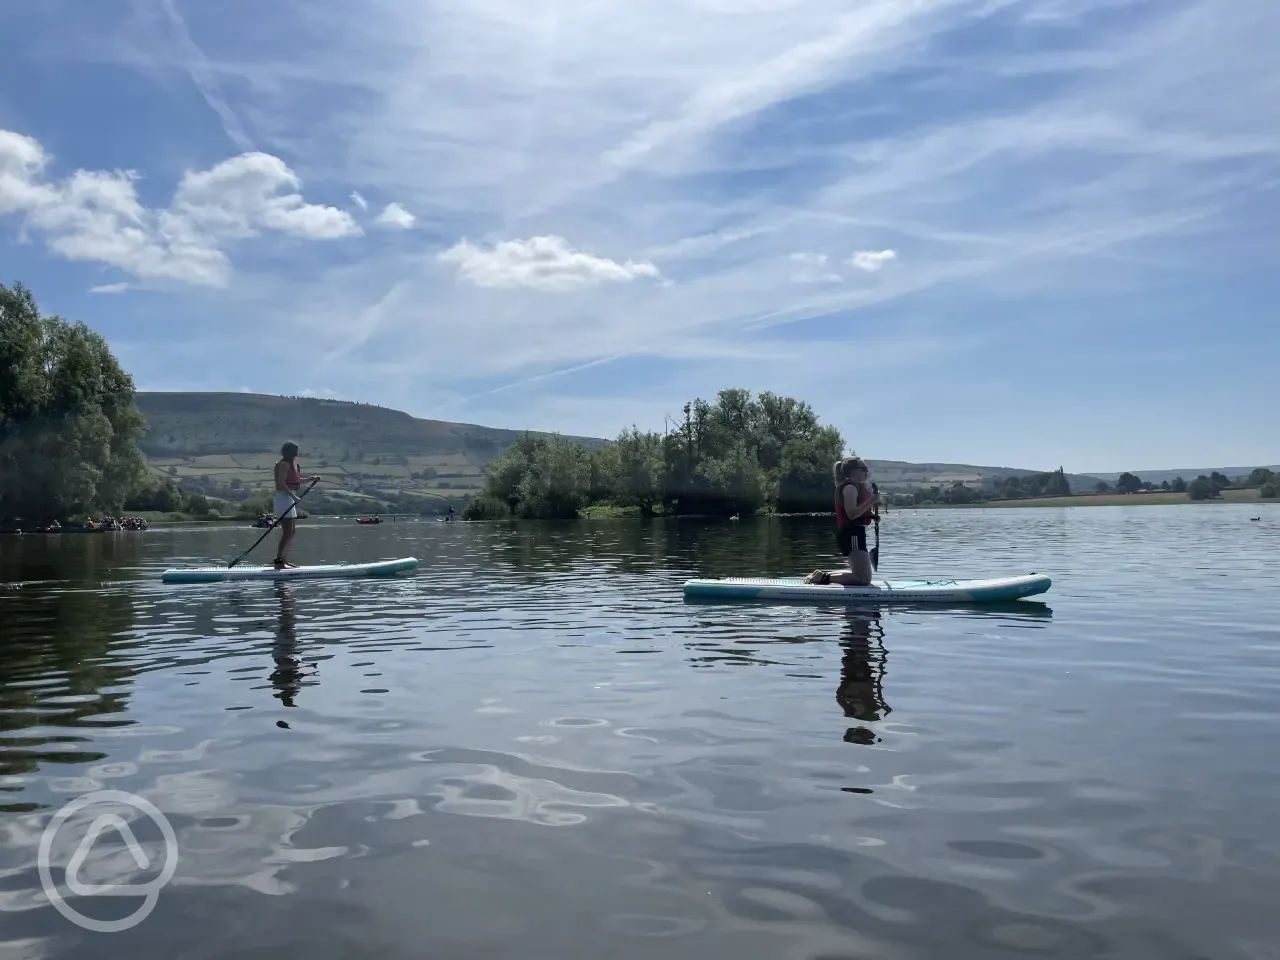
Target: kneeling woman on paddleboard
{"x": 288, "y": 482}
{"x": 855, "y": 508}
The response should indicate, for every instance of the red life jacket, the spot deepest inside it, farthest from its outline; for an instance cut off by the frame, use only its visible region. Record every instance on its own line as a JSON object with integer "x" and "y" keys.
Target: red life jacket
{"x": 842, "y": 518}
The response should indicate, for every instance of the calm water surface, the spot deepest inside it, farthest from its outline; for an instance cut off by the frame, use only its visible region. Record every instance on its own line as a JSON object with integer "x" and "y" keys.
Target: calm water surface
{"x": 533, "y": 747}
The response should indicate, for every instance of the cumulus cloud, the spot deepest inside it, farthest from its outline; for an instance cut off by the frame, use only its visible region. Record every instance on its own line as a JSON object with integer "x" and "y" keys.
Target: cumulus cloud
{"x": 544, "y": 263}
{"x": 396, "y": 216}
{"x": 869, "y": 261}
{"x": 95, "y": 215}
{"x": 110, "y": 288}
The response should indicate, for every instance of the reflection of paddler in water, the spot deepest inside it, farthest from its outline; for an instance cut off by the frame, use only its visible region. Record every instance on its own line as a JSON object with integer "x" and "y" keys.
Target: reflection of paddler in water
{"x": 287, "y": 676}
{"x": 861, "y": 690}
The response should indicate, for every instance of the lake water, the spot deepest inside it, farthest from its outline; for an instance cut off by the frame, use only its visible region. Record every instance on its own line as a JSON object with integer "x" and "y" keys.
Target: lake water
{"x": 534, "y": 748}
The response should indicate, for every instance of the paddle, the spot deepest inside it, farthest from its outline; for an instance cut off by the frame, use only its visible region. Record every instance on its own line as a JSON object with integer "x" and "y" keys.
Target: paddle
{"x": 275, "y": 523}
{"x": 875, "y": 551}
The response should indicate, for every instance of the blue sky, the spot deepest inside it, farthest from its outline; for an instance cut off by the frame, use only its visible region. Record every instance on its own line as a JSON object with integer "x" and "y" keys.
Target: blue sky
{"x": 1017, "y": 232}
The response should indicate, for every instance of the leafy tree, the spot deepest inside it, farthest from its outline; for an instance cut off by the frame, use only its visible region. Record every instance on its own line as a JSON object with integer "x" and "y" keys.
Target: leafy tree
{"x": 1052, "y": 484}
{"x": 1267, "y": 491}
{"x": 1259, "y": 476}
{"x": 69, "y": 428}
{"x": 1202, "y": 488}
{"x": 1220, "y": 480}
{"x": 735, "y": 478}
{"x": 1164, "y": 485}
{"x": 637, "y": 468}
{"x": 1179, "y": 485}
{"x": 805, "y": 479}
{"x": 555, "y": 485}
{"x": 1102, "y": 486}
{"x": 1128, "y": 483}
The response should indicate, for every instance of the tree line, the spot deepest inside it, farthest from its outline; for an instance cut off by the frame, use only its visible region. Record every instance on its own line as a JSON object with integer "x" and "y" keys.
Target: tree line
{"x": 737, "y": 455}
{"x": 69, "y": 428}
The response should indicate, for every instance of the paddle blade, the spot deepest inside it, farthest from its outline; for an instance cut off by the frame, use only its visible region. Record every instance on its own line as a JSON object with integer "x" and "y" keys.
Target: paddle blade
{"x": 875, "y": 558}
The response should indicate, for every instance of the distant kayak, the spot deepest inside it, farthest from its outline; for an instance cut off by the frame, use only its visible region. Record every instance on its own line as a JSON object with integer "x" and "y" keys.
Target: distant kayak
{"x": 367, "y": 521}
{"x": 378, "y": 568}
{"x": 996, "y": 590}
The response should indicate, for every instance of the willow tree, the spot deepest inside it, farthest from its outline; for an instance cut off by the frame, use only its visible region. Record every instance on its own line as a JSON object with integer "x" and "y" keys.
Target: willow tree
{"x": 69, "y": 428}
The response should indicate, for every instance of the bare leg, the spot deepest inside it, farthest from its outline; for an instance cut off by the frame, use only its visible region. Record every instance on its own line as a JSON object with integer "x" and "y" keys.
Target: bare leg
{"x": 858, "y": 575}
{"x": 286, "y": 538}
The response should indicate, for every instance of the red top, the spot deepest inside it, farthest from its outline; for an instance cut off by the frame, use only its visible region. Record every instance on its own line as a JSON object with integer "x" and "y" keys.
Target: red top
{"x": 293, "y": 480}
{"x": 842, "y": 518}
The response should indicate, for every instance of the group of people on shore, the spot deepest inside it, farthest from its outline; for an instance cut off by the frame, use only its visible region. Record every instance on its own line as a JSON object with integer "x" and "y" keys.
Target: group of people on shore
{"x": 107, "y": 524}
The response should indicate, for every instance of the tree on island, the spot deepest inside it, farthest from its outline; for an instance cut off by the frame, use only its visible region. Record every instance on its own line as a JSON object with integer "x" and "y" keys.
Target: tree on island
{"x": 69, "y": 428}
{"x": 738, "y": 455}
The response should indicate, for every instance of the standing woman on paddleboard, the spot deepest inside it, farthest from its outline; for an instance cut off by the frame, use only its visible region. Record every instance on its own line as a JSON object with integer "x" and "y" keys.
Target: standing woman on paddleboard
{"x": 855, "y": 509}
{"x": 288, "y": 481}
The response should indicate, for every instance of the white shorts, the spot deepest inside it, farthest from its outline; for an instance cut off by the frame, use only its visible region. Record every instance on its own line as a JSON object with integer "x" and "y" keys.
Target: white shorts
{"x": 284, "y": 501}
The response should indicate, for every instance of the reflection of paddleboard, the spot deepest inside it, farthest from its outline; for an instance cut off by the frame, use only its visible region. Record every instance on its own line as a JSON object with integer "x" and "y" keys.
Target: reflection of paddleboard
{"x": 378, "y": 568}
{"x": 996, "y": 590}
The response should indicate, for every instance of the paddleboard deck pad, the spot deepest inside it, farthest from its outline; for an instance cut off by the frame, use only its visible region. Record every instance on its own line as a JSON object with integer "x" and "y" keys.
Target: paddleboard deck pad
{"x": 996, "y": 590}
{"x": 378, "y": 568}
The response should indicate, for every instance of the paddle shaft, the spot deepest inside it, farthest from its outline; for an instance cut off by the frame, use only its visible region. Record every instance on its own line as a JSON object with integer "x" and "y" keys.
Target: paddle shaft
{"x": 275, "y": 523}
{"x": 875, "y": 551}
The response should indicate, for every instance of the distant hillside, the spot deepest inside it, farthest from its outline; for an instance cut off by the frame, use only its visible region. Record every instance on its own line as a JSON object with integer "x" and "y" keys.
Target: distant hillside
{"x": 225, "y": 444}
{"x": 1190, "y": 473}
{"x": 898, "y": 475}
{"x": 197, "y": 424}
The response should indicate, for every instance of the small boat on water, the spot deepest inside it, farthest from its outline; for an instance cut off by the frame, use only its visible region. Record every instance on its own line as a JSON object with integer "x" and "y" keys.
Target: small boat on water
{"x": 368, "y": 521}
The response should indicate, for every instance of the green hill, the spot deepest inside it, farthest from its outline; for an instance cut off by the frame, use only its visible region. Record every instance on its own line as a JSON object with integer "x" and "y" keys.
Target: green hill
{"x": 226, "y": 443}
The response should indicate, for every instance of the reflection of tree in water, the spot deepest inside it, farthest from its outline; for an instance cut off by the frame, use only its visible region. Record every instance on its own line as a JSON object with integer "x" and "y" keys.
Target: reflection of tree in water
{"x": 66, "y": 669}
{"x": 862, "y": 667}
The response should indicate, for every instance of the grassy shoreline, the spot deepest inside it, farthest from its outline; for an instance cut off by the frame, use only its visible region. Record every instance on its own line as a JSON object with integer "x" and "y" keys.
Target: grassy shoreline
{"x": 1101, "y": 500}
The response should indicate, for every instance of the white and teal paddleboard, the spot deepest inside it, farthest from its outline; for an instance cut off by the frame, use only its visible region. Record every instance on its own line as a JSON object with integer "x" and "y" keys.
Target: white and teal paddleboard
{"x": 378, "y": 568}
{"x": 995, "y": 590}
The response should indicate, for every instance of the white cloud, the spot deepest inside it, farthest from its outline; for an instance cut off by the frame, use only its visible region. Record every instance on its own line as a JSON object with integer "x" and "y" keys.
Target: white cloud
{"x": 812, "y": 268}
{"x": 95, "y": 215}
{"x": 396, "y": 216}
{"x": 544, "y": 263}
{"x": 869, "y": 261}
{"x": 359, "y": 200}
{"x": 110, "y": 288}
